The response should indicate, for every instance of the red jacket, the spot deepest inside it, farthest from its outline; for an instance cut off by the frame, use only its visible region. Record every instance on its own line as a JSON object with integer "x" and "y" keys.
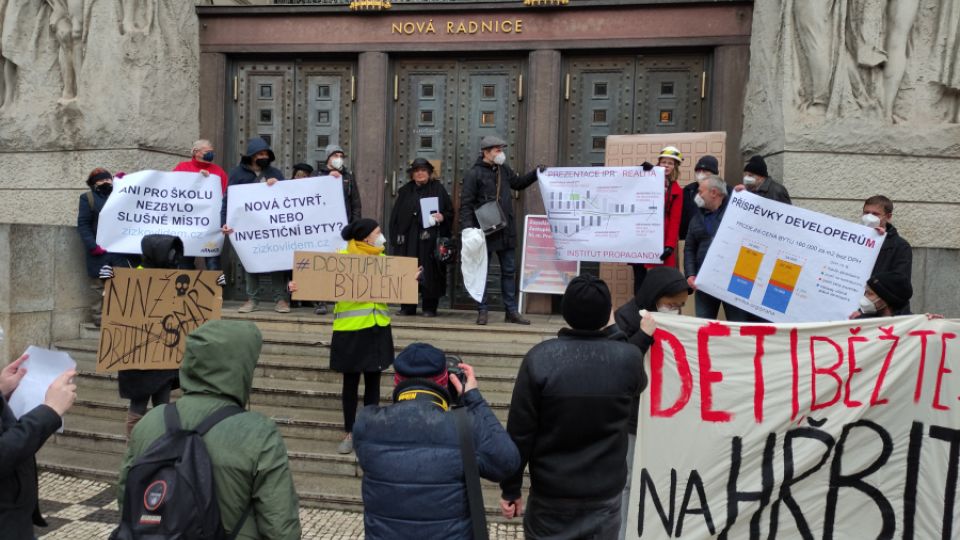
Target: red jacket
{"x": 671, "y": 223}
{"x": 196, "y": 166}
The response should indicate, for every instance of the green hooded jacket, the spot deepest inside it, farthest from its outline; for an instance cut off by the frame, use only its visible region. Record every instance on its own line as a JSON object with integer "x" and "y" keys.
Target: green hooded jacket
{"x": 248, "y": 454}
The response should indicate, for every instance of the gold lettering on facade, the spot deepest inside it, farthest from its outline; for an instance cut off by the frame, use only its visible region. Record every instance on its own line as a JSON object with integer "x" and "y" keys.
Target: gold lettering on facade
{"x": 489, "y": 26}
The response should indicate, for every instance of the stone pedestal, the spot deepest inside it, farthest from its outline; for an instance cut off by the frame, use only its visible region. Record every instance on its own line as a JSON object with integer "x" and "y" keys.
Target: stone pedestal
{"x": 854, "y": 102}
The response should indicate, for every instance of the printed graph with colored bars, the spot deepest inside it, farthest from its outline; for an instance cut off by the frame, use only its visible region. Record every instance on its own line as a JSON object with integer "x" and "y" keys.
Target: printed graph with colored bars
{"x": 781, "y": 285}
{"x": 745, "y": 271}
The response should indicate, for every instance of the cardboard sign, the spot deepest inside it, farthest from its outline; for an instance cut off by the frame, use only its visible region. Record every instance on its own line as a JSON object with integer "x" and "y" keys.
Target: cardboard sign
{"x": 334, "y": 277}
{"x": 147, "y": 314}
{"x": 813, "y": 430}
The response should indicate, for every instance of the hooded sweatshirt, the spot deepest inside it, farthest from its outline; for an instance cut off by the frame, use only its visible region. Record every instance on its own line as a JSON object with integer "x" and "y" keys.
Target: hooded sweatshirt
{"x": 249, "y": 458}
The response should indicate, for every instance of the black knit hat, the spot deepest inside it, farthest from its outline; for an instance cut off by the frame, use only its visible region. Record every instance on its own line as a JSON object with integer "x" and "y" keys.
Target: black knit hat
{"x": 420, "y": 163}
{"x": 586, "y": 303}
{"x": 305, "y": 167}
{"x": 756, "y": 165}
{"x": 708, "y": 163}
{"x": 893, "y": 288}
{"x": 359, "y": 229}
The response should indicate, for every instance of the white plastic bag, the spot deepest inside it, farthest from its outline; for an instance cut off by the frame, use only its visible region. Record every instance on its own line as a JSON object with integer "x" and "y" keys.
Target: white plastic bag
{"x": 473, "y": 262}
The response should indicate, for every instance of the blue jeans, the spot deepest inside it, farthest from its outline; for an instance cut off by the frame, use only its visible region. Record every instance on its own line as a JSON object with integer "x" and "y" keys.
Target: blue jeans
{"x": 508, "y": 281}
{"x": 707, "y": 307}
{"x": 212, "y": 263}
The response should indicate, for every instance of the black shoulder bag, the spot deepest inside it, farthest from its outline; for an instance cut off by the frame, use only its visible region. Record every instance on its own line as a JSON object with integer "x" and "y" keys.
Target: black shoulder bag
{"x": 490, "y": 215}
{"x": 471, "y": 473}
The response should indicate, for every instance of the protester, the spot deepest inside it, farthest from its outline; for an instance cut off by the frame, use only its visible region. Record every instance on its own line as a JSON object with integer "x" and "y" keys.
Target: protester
{"x": 663, "y": 291}
{"x": 895, "y": 255}
{"x": 410, "y": 451}
{"x": 757, "y": 180}
{"x": 490, "y": 179}
{"x": 255, "y": 167}
{"x": 670, "y": 159}
{"x": 19, "y": 442}
{"x": 334, "y": 166}
{"x": 569, "y": 418}
{"x": 201, "y": 161}
{"x": 301, "y": 170}
{"x": 409, "y": 238}
{"x": 887, "y": 294}
{"x": 705, "y": 166}
{"x": 250, "y": 464}
{"x": 711, "y": 202}
{"x": 100, "y": 182}
{"x": 362, "y": 340}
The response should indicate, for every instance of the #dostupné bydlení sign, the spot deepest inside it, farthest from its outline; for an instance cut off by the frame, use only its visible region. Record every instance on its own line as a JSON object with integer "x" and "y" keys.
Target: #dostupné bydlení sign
{"x": 335, "y": 277}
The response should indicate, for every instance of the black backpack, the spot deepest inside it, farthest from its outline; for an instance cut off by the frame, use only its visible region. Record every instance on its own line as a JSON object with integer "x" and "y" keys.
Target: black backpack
{"x": 169, "y": 491}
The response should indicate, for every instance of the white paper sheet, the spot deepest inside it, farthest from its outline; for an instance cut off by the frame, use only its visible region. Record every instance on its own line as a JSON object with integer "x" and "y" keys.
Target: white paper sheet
{"x": 428, "y": 205}
{"x": 42, "y": 367}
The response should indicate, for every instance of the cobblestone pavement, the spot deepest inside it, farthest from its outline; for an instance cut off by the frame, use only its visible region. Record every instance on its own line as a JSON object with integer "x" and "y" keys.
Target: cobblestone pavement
{"x": 78, "y": 509}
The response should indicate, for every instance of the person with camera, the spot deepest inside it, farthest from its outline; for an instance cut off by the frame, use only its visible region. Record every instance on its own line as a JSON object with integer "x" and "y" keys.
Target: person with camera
{"x": 410, "y": 451}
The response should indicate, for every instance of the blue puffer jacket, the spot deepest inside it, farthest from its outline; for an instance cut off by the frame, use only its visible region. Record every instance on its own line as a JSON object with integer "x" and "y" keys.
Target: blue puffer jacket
{"x": 413, "y": 484}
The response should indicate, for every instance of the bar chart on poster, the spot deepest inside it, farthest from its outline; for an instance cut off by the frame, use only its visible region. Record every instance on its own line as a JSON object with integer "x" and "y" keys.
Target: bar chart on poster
{"x": 745, "y": 270}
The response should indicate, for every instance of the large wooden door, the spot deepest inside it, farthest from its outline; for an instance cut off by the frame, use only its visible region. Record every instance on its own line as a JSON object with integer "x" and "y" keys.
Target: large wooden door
{"x": 441, "y": 110}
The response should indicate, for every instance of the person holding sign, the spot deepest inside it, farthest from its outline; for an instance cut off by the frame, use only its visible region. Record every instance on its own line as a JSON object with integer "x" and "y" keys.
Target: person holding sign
{"x": 757, "y": 180}
{"x": 413, "y": 234}
{"x": 19, "y": 442}
{"x": 201, "y": 161}
{"x": 255, "y": 167}
{"x": 362, "y": 341}
{"x": 336, "y": 167}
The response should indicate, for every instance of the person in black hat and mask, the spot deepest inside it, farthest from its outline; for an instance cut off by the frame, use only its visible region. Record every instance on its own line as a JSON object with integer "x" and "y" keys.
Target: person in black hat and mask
{"x": 490, "y": 179}
{"x": 301, "y": 170}
{"x": 362, "y": 340}
{"x": 410, "y": 451}
{"x": 757, "y": 180}
{"x": 705, "y": 166}
{"x": 887, "y": 294}
{"x": 255, "y": 166}
{"x": 409, "y": 237}
{"x": 569, "y": 417}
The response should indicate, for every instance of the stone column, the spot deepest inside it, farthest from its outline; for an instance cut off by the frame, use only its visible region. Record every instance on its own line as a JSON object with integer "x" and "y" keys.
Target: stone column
{"x": 542, "y": 96}
{"x": 844, "y": 109}
{"x": 370, "y": 163}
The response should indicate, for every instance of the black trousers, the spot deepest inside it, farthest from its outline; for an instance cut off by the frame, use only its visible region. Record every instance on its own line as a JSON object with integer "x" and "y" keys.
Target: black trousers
{"x": 351, "y": 388}
{"x": 571, "y": 519}
{"x": 162, "y": 396}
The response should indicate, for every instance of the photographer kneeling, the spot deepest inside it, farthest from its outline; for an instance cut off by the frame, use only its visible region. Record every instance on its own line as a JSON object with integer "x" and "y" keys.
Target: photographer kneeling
{"x": 413, "y": 472}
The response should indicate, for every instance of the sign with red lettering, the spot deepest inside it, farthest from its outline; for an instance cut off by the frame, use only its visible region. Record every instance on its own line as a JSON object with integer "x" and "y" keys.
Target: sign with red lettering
{"x": 541, "y": 270}
{"x": 821, "y": 430}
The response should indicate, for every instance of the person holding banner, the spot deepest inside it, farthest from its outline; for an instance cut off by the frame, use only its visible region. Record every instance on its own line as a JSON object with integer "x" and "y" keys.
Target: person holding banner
{"x": 757, "y": 180}
{"x": 491, "y": 180}
{"x": 201, "y": 161}
{"x": 334, "y": 166}
{"x": 362, "y": 340}
{"x": 670, "y": 159}
{"x": 411, "y": 237}
{"x": 255, "y": 167}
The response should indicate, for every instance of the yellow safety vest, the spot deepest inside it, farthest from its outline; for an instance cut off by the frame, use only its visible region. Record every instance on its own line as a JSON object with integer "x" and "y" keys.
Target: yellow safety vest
{"x": 352, "y": 316}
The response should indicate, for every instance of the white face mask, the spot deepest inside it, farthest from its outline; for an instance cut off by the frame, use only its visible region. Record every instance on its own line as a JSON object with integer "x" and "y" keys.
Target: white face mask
{"x": 380, "y": 241}
{"x": 500, "y": 158}
{"x": 698, "y": 200}
{"x": 749, "y": 180}
{"x": 870, "y": 220}
{"x": 668, "y": 309}
{"x": 701, "y": 176}
{"x": 867, "y": 307}
{"x": 337, "y": 163}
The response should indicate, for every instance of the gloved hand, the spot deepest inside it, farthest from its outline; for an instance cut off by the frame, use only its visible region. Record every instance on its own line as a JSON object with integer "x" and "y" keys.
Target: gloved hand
{"x": 647, "y": 166}
{"x": 97, "y": 251}
{"x": 222, "y": 280}
{"x": 667, "y": 252}
{"x": 542, "y": 168}
{"x": 106, "y": 272}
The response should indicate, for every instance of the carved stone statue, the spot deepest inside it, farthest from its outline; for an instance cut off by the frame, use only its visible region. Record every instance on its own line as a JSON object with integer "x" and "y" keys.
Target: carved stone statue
{"x": 947, "y": 44}
{"x": 138, "y": 16}
{"x": 67, "y": 23}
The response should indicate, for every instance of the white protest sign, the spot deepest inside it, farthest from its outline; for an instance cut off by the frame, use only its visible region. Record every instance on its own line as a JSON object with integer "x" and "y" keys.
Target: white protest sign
{"x": 811, "y": 430}
{"x": 43, "y": 367}
{"x": 271, "y": 222}
{"x": 607, "y": 214}
{"x": 788, "y": 264}
{"x": 182, "y": 204}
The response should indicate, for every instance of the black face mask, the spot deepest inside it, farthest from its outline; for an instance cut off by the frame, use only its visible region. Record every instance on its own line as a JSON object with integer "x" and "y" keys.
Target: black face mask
{"x": 207, "y": 156}
{"x": 263, "y": 163}
{"x": 103, "y": 189}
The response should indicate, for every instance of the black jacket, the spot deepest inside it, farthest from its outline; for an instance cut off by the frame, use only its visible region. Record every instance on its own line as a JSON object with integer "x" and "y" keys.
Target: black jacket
{"x": 700, "y": 236}
{"x": 895, "y": 255}
{"x": 408, "y": 238}
{"x": 243, "y": 174}
{"x": 351, "y": 193}
{"x": 658, "y": 282}
{"x": 569, "y": 414}
{"x": 690, "y": 207}
{"x": 480, "y": 186}
{"x": 19, "y": 442}
{"x": 87, "y": 220}
{"x": 775, "y": 191}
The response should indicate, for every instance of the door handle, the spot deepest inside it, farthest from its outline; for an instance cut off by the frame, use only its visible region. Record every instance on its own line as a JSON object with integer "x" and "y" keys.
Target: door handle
{"x": 394, "y": 184}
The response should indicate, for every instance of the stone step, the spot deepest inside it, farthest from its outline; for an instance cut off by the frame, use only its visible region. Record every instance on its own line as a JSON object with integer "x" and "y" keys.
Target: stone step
{"x": 301, "y": 368}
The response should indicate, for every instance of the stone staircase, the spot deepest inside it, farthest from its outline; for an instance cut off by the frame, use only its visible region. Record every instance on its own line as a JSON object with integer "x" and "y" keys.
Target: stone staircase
{"x": 294, "y": 386}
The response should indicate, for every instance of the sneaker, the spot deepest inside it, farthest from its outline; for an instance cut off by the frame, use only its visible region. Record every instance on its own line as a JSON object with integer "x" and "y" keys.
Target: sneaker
{"x": 249, "y": 306}
{"x": 346, "y": 445}
{"x": 282, "y": 307}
